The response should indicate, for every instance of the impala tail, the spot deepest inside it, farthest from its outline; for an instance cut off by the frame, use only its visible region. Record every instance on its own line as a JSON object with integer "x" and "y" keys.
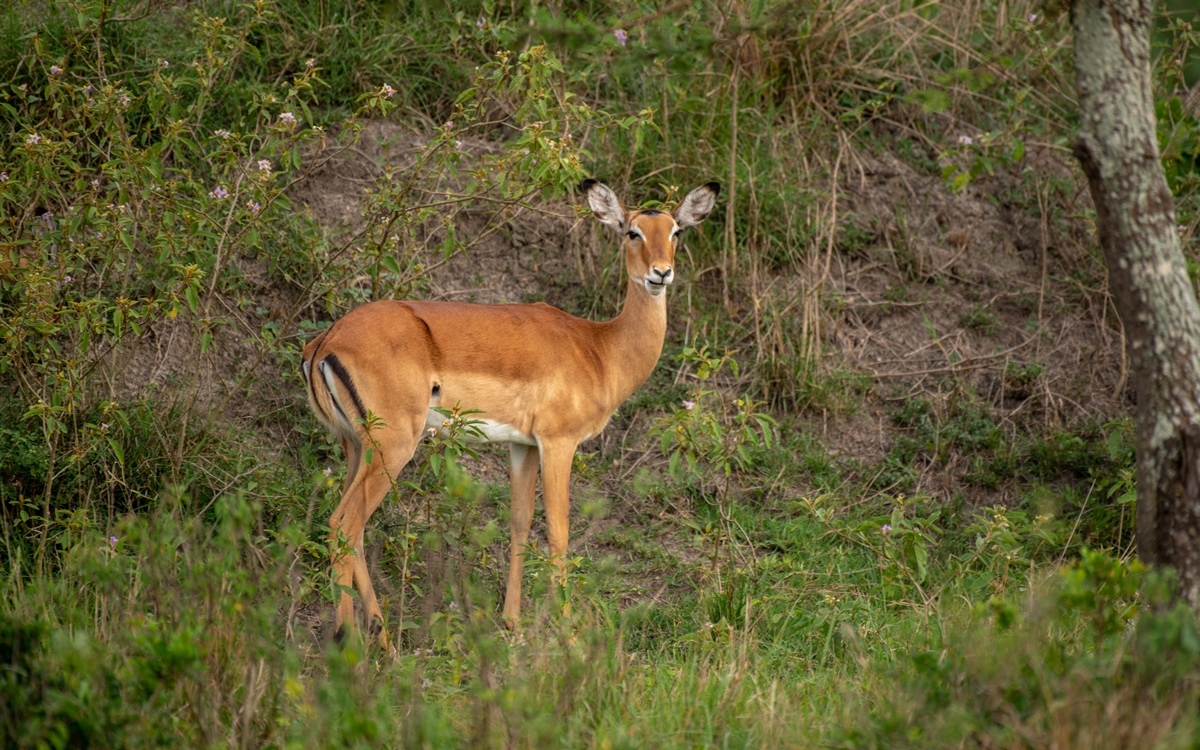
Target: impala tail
{"x": 331, "y": 391}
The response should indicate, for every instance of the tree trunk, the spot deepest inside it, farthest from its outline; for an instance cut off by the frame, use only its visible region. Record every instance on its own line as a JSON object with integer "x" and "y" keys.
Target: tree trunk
{"x": 1135, "y": 218}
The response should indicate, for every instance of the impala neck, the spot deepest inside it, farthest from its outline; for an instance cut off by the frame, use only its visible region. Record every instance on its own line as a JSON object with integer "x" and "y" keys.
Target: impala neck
{"x": 636, "y": 339}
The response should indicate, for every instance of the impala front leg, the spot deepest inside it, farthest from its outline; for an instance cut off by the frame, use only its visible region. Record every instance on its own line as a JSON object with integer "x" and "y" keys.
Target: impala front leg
{"x": 556, "y": 487}
{"x": 524, "y": 472}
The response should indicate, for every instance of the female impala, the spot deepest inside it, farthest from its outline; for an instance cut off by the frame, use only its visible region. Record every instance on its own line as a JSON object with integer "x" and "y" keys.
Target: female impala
{"x": 544, "y": 381}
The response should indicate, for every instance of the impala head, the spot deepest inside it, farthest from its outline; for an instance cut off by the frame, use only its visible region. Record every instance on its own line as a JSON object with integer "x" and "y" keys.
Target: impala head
{"x": 650, "y": 236}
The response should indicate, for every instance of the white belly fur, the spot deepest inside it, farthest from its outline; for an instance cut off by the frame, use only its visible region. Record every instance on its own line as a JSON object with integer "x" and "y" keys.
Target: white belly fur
{"x": 493, "y": 432}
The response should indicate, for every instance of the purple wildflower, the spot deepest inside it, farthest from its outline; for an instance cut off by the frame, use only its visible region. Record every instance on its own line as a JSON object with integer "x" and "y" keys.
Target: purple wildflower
{"x": 222, "y": 134}
{"x": 966, "y": 140}
{"x": 387, "y": 91}
{"x": 886, "y": 529}
{"x": 689, "y": 405}
{"x": 112, "y": 542}
{"x": 287, "y": 118}
{"x": 254, "y": 207}
{"x": 3, "y": 177}
{"x": 479, "y": 22}
{"x": 1031, "y": 17}
{"x": 33, "y": 139}
{"x": 264, "y": 165}
{"x": 55, "y": 70}
{"x": 219, "y": 193}
{"x": 621, "y": 36}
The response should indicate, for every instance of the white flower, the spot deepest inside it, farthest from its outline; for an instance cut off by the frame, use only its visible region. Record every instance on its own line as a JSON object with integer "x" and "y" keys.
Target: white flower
{"x": 287, "y": 118}
{"x": 222, "y": 134}
{"x": 966, "y": 140}
{"x": 33, "y": 139}
{"x": 164, "y": 64}
{"x": 264, "y": 165}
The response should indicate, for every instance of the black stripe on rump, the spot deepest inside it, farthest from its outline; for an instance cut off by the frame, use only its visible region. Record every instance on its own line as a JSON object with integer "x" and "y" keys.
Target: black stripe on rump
{"x": 336, "y": 365}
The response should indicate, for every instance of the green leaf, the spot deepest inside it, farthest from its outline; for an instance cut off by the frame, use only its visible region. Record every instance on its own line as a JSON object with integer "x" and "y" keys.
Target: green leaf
{"x": 117, "y": 450}
{"x": 921, "y": 556}
{"x": 931, "y": 100}
{"x": 1018, "y": 149}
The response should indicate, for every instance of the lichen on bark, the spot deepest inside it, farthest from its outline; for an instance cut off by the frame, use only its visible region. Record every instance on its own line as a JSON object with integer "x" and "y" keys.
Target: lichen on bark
{"x": 1117, "y": 148}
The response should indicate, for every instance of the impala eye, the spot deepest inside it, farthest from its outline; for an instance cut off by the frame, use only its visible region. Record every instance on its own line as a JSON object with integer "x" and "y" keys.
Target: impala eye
{"x": 632, "y": 235}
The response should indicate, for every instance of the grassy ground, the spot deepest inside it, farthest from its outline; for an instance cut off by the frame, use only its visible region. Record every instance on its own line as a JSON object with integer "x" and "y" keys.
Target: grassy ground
{"x": 879, "y": 492}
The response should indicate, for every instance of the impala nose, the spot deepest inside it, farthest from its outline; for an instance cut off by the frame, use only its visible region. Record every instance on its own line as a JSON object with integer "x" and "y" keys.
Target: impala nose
{"x": 664, "y": 275}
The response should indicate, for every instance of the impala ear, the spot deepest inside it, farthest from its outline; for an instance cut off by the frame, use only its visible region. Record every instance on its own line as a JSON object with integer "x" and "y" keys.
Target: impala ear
{"x": 696, "y": 207}
{"x": 603, "y": 202}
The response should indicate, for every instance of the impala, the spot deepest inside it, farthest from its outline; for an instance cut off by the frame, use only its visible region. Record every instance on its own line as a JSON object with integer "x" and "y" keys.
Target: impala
{"x": 543, "y": 381}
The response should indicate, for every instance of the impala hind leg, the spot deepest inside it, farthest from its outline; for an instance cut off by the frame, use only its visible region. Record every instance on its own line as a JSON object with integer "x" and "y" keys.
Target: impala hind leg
{"x": 353, "y": 455}
{"x": 366, "y": 591}
{"x": 523, "y": 472}
{"x": 371, "y": 484}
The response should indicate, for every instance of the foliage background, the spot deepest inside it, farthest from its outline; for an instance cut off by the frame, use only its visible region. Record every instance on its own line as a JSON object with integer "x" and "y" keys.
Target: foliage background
{"x": 878, "y": 492}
